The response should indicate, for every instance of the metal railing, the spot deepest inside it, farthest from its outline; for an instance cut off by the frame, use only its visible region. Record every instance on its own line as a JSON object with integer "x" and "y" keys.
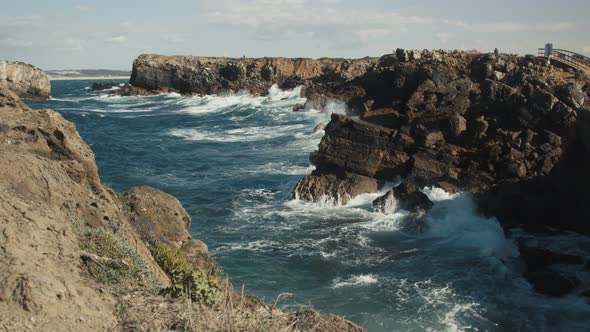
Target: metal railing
{"x": 569, "y": 58}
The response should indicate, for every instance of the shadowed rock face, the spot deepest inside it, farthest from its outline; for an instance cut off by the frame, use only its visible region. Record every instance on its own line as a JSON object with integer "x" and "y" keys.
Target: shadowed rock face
{"x": 25, "y": 80}
{"x": 404, "y": 197}
{"x": 207, "y": 75}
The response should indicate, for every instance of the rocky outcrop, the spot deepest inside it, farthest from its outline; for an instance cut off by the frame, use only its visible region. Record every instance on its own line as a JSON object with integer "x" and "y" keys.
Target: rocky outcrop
{"x": 511, "y": 129}
{"x": 78, "y": 257}
{"x": 404, "y": 197}
{"x": 25, "y": 80}
{"x": 157, "y": 216}
{"x": 460, "y": 120}
{"x": 557, "y": 199}
{"x": 96, "y": 86}
{"x": 208, "y": 75}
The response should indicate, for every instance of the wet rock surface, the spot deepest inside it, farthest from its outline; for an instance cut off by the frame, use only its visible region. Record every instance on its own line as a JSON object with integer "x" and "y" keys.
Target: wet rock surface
{"x": 405, "y": 196}
{"x": 97, "y": 86}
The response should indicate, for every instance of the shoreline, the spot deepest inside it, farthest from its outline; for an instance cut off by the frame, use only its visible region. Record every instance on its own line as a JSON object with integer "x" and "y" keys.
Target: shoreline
{"x": 83, "y": 78}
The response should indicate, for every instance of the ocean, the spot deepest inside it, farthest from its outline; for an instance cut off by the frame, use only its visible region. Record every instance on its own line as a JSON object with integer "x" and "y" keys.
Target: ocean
{"x": 233, "y": 160}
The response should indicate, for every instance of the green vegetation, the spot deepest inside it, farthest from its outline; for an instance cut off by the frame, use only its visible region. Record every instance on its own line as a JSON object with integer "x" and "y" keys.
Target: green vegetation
{"x": 199, "y": 286}
{"x": 115, "y": 259}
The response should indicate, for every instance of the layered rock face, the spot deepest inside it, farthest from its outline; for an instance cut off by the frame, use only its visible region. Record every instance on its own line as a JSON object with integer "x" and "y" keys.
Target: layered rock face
{"x": 461, "y": 121}
{"x": 25, "y": 80}
{"x": 208, "y": 75}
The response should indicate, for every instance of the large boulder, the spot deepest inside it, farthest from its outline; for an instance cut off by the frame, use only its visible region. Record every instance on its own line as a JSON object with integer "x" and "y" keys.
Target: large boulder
{"x": 157, "y": 216}
{"x": 405, "y": 196}
{"x": 27, "y": 81}
{"x": 571, "y": 94}
{"x": 333, "y": 189}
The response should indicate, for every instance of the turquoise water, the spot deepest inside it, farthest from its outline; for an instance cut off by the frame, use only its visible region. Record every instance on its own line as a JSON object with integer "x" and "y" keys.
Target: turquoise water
{"x": 232, "y": 161}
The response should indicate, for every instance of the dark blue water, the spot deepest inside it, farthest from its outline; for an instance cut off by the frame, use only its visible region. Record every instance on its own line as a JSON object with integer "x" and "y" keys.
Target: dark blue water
{"x": 232, "y": 161}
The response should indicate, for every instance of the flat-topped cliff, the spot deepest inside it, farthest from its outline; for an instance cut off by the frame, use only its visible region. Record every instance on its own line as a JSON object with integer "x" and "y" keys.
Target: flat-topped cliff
{"x": 27, "y": 81}
{"x": 213, "y": 75}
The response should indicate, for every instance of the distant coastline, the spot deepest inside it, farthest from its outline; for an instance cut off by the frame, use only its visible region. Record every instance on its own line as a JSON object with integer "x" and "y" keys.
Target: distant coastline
{"x": 78, "y": 78}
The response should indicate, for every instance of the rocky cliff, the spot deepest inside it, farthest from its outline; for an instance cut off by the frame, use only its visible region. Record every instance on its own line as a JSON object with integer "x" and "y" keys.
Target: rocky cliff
{"x": 25, "y": 80}
{"x": 511, "y": 129}
{"x": 77, "y": 256}
{"x": 208, "y": 75}
{"x": 462, "y": 121}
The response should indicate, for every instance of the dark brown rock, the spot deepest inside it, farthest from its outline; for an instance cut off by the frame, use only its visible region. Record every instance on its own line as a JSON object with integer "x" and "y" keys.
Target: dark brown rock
{"x": 103, "y": 85}
{"x": 333, "y": 189}
{"x": 571, "y": 94}
{"x": 551, "y": 283}
{"x": 403, "y": 197}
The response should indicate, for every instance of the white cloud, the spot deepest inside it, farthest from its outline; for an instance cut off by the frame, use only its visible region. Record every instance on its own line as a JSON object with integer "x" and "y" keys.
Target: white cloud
{"x": 443, "y": 37}
{"x": 507, "y": 27}
{"x": 559, "y": 26}
{"x": 323, "y": 19}
{"x": 117, "y": 39}
{"x": 84, "y": 8}
{"x": 456, "y": 23}
{"x": 10, "y": 42}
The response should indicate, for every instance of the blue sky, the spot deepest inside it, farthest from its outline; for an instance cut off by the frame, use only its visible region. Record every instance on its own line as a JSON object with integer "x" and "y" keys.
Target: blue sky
{"x": 75, "y": 34}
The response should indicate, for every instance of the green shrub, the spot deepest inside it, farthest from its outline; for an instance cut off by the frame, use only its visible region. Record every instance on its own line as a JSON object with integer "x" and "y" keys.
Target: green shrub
{"x": 199, "y": 286}
{"x": 126, "y": 266}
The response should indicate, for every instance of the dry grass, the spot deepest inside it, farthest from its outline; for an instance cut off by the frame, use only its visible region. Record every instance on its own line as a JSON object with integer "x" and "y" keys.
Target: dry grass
{"x": 201, "y": 300}
{"x": 237, "y": 312}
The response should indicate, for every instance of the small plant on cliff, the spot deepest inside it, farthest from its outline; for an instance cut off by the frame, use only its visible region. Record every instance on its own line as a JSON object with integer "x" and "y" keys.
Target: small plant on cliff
{"x": 199, "y": 286}
{"x": 115, "y": 258}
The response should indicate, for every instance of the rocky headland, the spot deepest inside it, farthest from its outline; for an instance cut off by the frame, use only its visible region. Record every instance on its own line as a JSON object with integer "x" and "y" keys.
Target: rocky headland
{"x": 27, "y": 81}
{"x": 77, "y": 256}
{"x": 512, "y": 130}
{"x": 152, "y": 74}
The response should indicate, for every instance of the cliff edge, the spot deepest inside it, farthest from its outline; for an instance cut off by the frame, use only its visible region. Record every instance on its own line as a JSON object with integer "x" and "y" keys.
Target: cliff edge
{"x": 153, "y": 73}
{"x": 27, "y": 81}
{"x": 77, "y": 256}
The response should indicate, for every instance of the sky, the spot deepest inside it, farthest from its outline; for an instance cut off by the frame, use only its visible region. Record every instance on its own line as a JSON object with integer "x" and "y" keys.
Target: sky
{"x": 82, "y": 34}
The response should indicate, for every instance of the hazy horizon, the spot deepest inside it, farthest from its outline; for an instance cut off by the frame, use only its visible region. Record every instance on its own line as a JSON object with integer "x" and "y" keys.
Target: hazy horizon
{"x": 73, "y": 34}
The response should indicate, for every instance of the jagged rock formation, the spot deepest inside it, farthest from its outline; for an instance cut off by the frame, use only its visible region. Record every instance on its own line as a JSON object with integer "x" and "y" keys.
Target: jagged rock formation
{"x": 404, "y": 197}
{"x": 207, "y": 75}
{"x": 510, "y": 129}
{"x": 459, "y": 120}
{"x": 27, "y": 81}
{"x": 78, "y": 257}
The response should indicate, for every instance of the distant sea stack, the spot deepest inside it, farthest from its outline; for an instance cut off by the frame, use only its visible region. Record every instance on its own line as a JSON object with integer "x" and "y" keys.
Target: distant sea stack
{"x": 27, "y": 81}
{"x": 215, "y": 75}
